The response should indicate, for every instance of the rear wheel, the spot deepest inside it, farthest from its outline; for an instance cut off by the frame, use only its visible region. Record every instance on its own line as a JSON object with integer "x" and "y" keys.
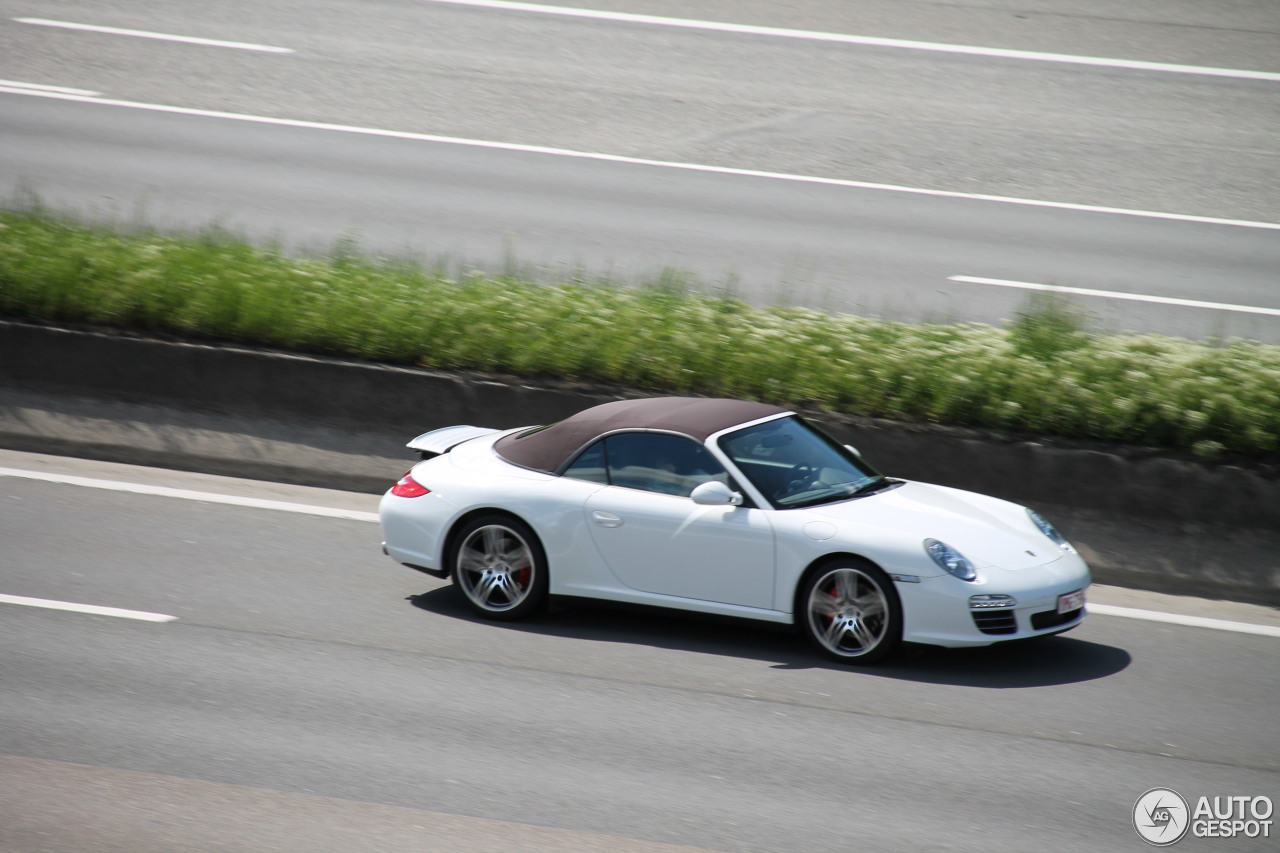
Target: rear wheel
{"x": 498, "y": 563}
{"x": 850, "y": 610}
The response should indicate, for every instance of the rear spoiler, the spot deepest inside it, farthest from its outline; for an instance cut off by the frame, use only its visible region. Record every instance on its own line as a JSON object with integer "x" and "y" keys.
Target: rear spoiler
{"x": 439, "y": 441}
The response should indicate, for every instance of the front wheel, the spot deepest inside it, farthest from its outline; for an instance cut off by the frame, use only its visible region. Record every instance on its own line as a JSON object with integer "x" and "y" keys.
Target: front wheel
{"x": 849, "y": 609}
{"x": 498, "y": 563}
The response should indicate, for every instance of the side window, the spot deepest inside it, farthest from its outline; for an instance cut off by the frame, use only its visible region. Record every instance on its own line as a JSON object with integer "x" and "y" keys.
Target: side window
{"x": 655, "y": 462}
{"x": 589, "y": 465}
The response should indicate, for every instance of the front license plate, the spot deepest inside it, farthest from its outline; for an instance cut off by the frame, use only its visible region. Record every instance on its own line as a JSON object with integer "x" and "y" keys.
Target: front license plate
{"x": 1071, "y": 601}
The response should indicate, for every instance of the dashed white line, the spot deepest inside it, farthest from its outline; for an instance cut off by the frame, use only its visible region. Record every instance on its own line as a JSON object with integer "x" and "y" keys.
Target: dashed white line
{"x": 638, "y": 161}
{"x": 190, "y": 495}
{"x": 40, "y": 87}
{"x": 1115, "y": 294}
{"x": 93, "y": 609}
{"x": 872, "y": 41}
{"x": 117, "y": 31}
{"x": 1179, "y": 619}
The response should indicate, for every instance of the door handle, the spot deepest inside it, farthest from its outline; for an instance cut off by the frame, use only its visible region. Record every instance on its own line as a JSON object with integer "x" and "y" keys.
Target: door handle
{"x": 606, "y": 519}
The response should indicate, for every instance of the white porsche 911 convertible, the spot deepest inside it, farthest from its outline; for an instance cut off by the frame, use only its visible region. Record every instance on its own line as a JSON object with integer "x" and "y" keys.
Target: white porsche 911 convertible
{"x": 728, "y": 507}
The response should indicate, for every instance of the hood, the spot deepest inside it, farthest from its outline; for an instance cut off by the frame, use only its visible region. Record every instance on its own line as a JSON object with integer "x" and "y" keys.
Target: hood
{"x": 988, "y": 531}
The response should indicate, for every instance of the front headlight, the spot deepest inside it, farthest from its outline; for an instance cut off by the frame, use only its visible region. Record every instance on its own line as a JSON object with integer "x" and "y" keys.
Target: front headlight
{"x": 949, "y": 559}
{"x": 1052, "y": 532}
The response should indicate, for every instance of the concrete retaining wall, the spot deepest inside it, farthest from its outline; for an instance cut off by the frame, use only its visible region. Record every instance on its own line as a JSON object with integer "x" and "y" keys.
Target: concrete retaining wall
{"x": 1141, "y": 518}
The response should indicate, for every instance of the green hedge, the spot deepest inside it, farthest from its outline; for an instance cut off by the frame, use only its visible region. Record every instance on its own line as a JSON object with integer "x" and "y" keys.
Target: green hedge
{"x": 1041, "y": 374}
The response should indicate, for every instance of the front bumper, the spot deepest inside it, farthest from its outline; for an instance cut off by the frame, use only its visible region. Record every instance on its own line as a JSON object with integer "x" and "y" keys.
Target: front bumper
{"x": 937, "y": 611}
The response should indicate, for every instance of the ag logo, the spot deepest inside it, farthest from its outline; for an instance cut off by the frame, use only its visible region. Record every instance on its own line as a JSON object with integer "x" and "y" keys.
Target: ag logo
{"x": 1161, "y": 817}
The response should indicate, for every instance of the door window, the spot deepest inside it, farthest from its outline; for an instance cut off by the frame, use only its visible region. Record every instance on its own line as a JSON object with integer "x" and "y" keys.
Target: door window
{"x": 653, "y": 462}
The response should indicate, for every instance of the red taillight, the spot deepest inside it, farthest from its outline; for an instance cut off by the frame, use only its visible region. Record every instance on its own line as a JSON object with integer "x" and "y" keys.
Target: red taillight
{"x": 407, "y": 487}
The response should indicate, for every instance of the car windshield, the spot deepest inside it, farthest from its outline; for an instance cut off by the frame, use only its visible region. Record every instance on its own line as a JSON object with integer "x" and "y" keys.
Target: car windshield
{"x": 795, "y": 464}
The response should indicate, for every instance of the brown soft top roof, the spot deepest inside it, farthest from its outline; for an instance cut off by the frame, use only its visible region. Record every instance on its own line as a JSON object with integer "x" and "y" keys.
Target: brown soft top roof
{"x": 549, "y": 448}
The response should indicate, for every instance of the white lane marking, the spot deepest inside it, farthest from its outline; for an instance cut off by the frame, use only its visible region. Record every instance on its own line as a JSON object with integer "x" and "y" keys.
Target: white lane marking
{"x": 257, "y": 503}
{"x": 637, "y": 161}
{"x": 43, "y": 88}
{"x": 189, "y": 495}
{"x": 116, "y": 31}
{"x": 1114, "y": 294}
{"x": 86, "y": 608}
{"x": 872, "y": 41}
{"x": 1178, "y": 619}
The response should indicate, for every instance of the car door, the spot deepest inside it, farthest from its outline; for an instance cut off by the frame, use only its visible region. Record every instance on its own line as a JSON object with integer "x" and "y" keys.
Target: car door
{"x": 655, "y": 539}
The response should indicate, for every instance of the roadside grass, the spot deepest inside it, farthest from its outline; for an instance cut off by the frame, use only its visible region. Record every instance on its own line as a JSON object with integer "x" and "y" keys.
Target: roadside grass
{"x": 1041, "y": 374}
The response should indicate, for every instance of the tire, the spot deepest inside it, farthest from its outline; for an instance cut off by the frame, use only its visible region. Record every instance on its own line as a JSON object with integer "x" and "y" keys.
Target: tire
{"x": 848, "y": 608}
{"x": 500, "y": 567}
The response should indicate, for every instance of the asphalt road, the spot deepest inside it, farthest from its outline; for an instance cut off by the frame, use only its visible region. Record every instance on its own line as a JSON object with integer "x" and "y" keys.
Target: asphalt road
{"x": 312, "y": 695}
{"x": 1155, "y": 140}
{"x": 776, "y": 239}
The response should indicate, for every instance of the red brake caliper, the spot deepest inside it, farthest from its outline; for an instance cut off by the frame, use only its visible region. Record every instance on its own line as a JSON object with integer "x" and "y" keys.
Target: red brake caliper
{"x": 834, "y": 593}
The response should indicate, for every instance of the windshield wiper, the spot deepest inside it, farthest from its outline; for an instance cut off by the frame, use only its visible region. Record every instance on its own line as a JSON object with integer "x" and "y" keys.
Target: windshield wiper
{"x": 876, "y": 485}
{"x": 872, "y": 486}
